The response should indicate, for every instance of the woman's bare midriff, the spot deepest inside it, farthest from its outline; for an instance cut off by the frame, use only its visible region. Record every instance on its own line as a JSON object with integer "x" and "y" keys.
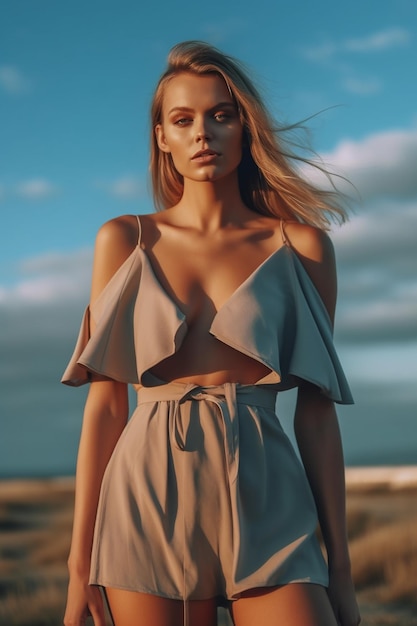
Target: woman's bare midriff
{"x": 204, "y": 360}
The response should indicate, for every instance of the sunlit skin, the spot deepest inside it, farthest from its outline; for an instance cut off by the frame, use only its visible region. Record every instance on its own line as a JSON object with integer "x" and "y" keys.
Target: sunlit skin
{"x": 201, "y": 250}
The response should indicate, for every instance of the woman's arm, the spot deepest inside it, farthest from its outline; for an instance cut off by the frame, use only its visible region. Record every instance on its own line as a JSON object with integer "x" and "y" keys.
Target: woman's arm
{"x": 318, "y": 436}
{"x": 316, "y": 426}
{"x": 105, "y": 416}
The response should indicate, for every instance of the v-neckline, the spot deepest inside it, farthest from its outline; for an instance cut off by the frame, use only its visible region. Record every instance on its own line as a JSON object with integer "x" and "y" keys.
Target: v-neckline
{"x": 240, "y": 287}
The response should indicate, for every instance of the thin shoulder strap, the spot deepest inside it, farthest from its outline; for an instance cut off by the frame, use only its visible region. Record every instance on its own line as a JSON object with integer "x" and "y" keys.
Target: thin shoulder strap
{"x": 139, "y": 230}
{"x": 285, "y": 241}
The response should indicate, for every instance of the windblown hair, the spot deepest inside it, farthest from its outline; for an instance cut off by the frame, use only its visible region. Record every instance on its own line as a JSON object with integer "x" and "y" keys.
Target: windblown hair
{"x": 268, "y": 178}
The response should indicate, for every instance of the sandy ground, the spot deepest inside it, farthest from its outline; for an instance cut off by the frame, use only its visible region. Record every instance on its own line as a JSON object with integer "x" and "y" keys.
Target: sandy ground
{"x": 35, "y": 526}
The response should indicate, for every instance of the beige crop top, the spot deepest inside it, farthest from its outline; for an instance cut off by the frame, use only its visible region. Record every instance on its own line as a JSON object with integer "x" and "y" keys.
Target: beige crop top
{"x": 276, "y": 316}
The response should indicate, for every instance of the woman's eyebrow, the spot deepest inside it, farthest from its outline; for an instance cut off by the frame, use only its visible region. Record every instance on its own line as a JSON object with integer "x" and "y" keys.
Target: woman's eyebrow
{"x": 219, "y": 105}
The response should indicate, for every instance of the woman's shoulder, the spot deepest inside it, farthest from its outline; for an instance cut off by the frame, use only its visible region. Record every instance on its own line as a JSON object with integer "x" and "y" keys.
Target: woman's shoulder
{"x": 314, "y": 248}
{"x": 122, "y": 230}
{"x": 308, "y": 241}
{"x": 115, "y": 241}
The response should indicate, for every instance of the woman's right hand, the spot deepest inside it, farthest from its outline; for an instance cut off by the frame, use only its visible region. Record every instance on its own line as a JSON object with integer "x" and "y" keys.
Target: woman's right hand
{"x": 83, "y": 600}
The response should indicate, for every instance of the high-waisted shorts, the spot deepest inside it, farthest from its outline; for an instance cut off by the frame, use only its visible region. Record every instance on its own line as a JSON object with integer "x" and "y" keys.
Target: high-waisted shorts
{"x": 205, "y": 497}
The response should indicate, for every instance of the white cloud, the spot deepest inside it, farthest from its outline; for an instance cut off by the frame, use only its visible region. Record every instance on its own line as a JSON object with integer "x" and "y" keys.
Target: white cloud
{"x": 57, "y": 263}
{"x": 125, "y": 187}
{"x": 52, "y": 279}
{"x": 382, "y": 165}
{"x": 380, "y": 149}
{"x": 388, "y": 317}
{"x": 382, "y": 40}
{"x": 377, "y": 249}
{"x": 36, "y": 189}
{"x": 361, "y": 86}
{"x": 13, "y": 81}
{"x": 40, "y": 317}
{"x": 375, "y": 42}
{"x": 333, "y": 55}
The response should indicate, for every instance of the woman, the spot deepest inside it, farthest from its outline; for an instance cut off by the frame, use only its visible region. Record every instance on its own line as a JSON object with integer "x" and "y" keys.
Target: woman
{"x": 209, "y": 308}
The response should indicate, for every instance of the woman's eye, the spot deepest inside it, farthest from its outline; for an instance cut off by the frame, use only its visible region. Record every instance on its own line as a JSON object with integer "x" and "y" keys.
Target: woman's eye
{"x": 221, "y": 117}
{"x": 182, "y": 121}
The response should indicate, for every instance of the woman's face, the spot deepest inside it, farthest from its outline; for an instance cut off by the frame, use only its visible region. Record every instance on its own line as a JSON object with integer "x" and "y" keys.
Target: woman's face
{"x": 200, "y": 127}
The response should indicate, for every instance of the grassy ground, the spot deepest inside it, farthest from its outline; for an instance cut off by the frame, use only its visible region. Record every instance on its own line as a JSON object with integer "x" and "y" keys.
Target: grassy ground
{"x": 35, "y": 524}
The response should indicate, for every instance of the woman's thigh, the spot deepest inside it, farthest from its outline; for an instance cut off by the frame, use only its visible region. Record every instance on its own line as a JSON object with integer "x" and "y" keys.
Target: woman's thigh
{"x": 130, "y": 608}
{"x": 289, "y": 605}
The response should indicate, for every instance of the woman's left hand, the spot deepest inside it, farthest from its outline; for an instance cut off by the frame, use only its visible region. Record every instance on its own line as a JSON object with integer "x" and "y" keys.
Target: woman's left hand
{"x": 342, "y": 597}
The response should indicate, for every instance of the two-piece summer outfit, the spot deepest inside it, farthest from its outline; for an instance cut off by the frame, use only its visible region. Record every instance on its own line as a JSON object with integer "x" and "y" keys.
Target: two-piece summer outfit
{"x": 204, "y": 495}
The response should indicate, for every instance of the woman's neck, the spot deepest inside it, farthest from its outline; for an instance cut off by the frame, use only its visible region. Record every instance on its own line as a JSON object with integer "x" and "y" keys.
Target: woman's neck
{"x": 210, "y": 206}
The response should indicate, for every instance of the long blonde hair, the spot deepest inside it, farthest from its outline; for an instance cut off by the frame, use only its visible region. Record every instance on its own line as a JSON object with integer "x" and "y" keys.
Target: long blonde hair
{"x": 268, "y": 178}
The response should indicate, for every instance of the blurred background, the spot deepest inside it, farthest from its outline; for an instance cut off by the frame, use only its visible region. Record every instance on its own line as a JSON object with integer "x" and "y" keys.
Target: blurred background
{"x": 76, "y": 79}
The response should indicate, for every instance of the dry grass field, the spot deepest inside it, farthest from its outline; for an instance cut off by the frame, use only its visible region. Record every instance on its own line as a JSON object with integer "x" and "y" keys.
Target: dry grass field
{"x": 35, "y": 524}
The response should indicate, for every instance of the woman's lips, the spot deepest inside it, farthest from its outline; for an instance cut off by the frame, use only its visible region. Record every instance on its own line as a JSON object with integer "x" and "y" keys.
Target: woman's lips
{"x": 205, "y": 156}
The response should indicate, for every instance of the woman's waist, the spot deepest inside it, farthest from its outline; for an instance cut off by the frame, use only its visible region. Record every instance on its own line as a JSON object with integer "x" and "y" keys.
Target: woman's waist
{"x": 235, "y": 392}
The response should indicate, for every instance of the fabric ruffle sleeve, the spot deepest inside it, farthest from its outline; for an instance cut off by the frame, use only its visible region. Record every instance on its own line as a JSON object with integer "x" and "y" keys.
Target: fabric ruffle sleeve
{"x": 135, "y": 327}
{"x": 313, "y": 356}
{"x": 278, "y": 318}
{"x": 108, "y": 352}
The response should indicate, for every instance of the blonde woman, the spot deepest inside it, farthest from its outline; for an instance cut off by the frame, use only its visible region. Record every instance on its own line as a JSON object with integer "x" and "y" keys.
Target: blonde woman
{"x": 210, "y": 307}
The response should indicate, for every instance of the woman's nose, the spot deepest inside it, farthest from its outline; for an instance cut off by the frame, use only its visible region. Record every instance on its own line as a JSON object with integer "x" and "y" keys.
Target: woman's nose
{"x": 202, "y": 131}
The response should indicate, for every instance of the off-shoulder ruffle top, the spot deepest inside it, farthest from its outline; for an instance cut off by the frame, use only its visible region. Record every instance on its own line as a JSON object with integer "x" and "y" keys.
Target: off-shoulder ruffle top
{"x": 276, "y": 316}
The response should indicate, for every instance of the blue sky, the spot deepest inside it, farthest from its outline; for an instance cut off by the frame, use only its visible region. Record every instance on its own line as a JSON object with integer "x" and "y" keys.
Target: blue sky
{"x": 76, "y": 80}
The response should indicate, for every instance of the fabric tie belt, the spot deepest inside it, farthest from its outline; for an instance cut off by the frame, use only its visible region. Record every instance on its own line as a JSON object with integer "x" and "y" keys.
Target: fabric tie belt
{"x": 226, "y": 397}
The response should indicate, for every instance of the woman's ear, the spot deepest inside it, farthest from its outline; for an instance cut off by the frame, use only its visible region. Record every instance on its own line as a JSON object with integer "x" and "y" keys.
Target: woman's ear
{"x": 160, "y": 138}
